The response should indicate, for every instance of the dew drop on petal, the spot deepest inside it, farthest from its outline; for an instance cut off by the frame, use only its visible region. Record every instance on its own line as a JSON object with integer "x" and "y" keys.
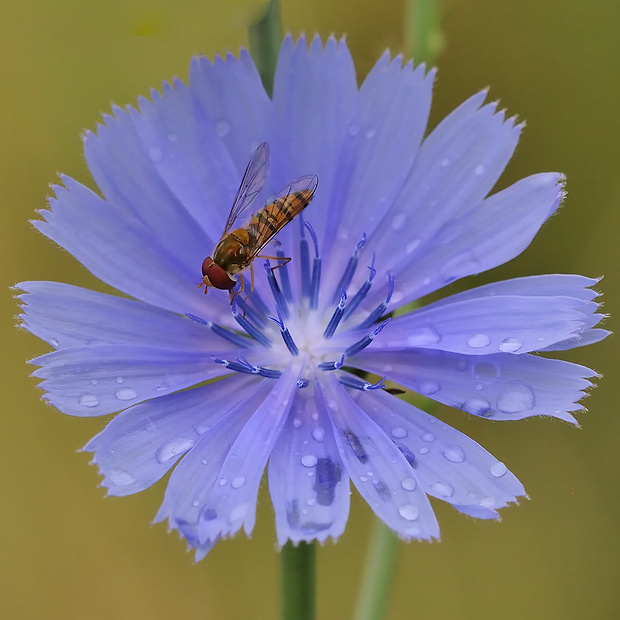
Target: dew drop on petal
{"x": 408, "y": 512}
{"x": 126, "y": 394}
{"x": 237, "y": 482}
{"x": 204, "y": 461}
{"x": 318, "y": 434}
{"x": 54, "y": 342}
{"x": 88, "y": 400}
{"x": 155, "y": 153}
{"x": 119, "y": 379}
{"x": 223, "y": 482}
{"x": 476, "y": 406}
{"x": 173, "y": 448}
{"x": 120, "y": 477}
{"x": 442, "y": 489}
{"x": 371, "y": 133}
{"x": 428, "y": 387}
{"x": 485, "y": 371}
{"x": 510, "y": 345}
{"x": 94, "y": 381}
{"x": 498, "y": 469}
{"x": 308, "y": 460}
{"x": 399, "y": 221}
{"x": 399, "y": 432}
{"x": 409, "y": 484}
{"x": 477, "y": 341}
{"x": 445, "y": 162}
{"x": 454, "y": 454}
{"x": 297, "y": 423}
{"x": 412, "y": 245}
{"x": 222, "y": 128}
{"x": 423, "y": 336}
{"x": 479, "y": 169}
{"x": 428, "y": 437}
{"x": 516, "y": 398}
{"x": 423, "y": 450}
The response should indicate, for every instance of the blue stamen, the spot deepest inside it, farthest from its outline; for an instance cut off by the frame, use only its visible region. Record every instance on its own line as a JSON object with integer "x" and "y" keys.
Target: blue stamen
{"x": 304, "y": 260}
{"x": 331, "y": 365}
{"x": 259, "y": 306}
{"x": 226, "y": 334}
{"x": 336, "y": 317}
{"x": 315, "y": 283}
{"x": 286, "y": 334}
{"x": 365, "y": 341}
{"x": 347, "y": 276}
{"x": 358, "y": 384}
{"x": 379, "y": 311}
{"x": 302, "y": 383}
{"x": 242, "y": 365}
{"x": 245, "y": 324}
{"x": 357, "y": 298}
{"x": 276, "y": 292}
{"x": 285, "y": 283}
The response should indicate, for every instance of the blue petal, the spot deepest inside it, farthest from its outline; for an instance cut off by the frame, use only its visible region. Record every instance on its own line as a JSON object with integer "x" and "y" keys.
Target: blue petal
{"x": 69, "y": 316}
{"x": 233, "y": 99}
{"x": 501, "y": 386}
{"x": 479, "y": 326}
{"x": 309, "y": 486}
{"x": 143, "y": 442}
{"x": 95, "y": 380}
{"x": 122, "y": 251}
{"x": 381, "y": 473}
{"x": 447, "y": 464}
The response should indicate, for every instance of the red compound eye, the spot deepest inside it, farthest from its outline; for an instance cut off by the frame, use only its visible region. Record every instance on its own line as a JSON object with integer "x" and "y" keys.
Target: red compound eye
{"x": 217, "y": 276}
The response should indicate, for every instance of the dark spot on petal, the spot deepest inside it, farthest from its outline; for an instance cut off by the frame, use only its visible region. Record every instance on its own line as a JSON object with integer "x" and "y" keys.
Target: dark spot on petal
{"x": 327, "y": 477}
{"x": 292, "y": 514}
{"x": 209, "y": 514}
{"x": 382, "y": 489}
{"x": 356, "y": 446}
{"x": 410, "y": 458}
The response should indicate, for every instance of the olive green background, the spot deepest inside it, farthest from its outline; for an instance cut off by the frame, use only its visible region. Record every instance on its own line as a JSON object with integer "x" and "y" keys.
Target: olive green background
{"x": 65, "y": 552}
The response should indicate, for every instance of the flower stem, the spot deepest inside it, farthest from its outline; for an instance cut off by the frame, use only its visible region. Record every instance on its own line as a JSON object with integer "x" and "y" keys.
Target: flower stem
{"x": 378, "y": 573}
{"x": 297, "y": 581}
{"x": 424, "y": 39}
{"x": 265, "y": 38}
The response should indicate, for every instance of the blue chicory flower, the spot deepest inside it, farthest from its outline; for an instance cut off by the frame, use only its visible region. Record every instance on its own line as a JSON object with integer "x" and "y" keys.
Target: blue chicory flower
{"x": 396, "y": 216}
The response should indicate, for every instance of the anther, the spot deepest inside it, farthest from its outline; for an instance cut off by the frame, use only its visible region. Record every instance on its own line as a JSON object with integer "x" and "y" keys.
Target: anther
{"x": 357, "y": 298}
{"x": 276, "y": 292}
{"x": 286, "y": 334}
{"x": 304, "y": 260}
{"x": 285, "y": 283}
{"x": 379, "y": 311}
{"x": 246, "y": 325}
{"x": 331, "y": 365}
{"x": 358, "y": 384}
{"x": 302, "y": 383}
{"x": 315, "y": 282}
{"x": 356, "y": 347}
{"x": 226, "y": 334}
{"x": 347, "y": 276}
{"x": 336, "y": 317}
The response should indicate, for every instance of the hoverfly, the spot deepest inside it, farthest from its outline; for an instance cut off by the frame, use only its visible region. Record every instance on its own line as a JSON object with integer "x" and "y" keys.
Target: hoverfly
{"x": 237, "y": 249}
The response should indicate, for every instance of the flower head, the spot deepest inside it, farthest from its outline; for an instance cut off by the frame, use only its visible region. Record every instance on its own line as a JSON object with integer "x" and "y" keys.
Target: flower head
{"x": 219, "y": 393}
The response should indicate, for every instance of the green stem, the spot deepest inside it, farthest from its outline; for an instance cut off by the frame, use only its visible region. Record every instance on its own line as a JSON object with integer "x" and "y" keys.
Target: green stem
{"x": 265, "y": 38}
{"x": 423, "y": 36}
{"x": 378, "y": 574}
{"x": 297, "y": 581}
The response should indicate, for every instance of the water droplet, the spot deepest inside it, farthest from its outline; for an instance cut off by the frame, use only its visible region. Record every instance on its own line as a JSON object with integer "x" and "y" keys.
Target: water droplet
{"x": 88, "y": 400}
{"x": 119, "y": 379}
{"x": 479, "y": 387}
{"x": 54, "y": 342}
{"x": 516, "y": 398}
{"x": 354, "y": 130}
{"x": 161, "y": 387}
{"x": 308, "y": 460}
{"x": 371, "y": 133}
{"x": 297, "y": 423}
{"x": 409, "y": 484}
{"x": 445, "y": 162}
{"x": 485, "y": 371}
{"x": 172, "y": 449}
{"x": 120, "y": 477}
{"x": 363, "y": 479}
{"x": 510, "y": 345}
{"x": 238, "y": 482}
{"x": 454, "y": 454}
{"x": 399, "y": 432}
{"x": 238, "y": 512}
{"x": 204, "y": 461}
{"x": 409, "y": 512}
{"x": 311, "y": 501}
{"x": 155, "y": 153}
{"x": 429, "y": 387}
{"x": 478, "y": 341}
{"x": 318, "y": 433}
{"x": 331, "y": 404}
{"x": 487, "y": 502}
{"x": 94, "y": 381}
{"x": 412, "y": 245}
{"x": 429, "y": 437}
{"x": 498, "y": 469}
{"x": 222, "y": 128}
{"x": 479, "y": 169}
{"x": 423, "y": 336}
{"x": 125, "y": 394}
{"x": 195, "y": 503}
{"x": 222, "y": 482}
{"x": 476, "y": 406}
{"x": 399, "y": 221}
{"x": 423, "y": 450}
{"x": 442, "y": 489}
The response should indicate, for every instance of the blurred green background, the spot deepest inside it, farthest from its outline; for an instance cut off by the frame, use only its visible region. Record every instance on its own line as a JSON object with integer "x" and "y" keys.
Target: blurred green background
{"x": 67, "y": 553}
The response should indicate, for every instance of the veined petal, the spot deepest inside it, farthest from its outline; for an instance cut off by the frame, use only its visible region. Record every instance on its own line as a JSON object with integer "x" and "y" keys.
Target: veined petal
{"x": 500, "y": 386}
{"x": 96, "y": 380}
{"x": 308, "y": 484}
{"x": 447, "y": 464}
{"x": 504, "y": 323}
{"x": 380, "y": 472}
{"x": 122, "y": 251}
{"x": 145, "y": 441}
{"x": 68, "y": 316}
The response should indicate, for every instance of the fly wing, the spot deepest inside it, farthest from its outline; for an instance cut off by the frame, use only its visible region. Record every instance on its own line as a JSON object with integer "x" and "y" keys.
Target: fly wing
{"x": 251, "y": 184}
{"x": 287, "y": 204}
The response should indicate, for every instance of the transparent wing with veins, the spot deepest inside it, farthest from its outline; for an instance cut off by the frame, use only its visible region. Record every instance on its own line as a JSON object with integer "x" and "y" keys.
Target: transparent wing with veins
{"x": 251, "y": 184}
